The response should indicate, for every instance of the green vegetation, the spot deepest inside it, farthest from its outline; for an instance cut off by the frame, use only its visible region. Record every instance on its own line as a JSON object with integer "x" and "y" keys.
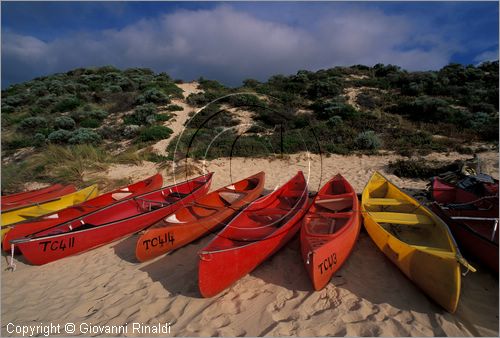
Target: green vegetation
{"x": 154, "y": 133}
{"x": 65, "y": 164}
{"x": 423, "y": 169}
{"x": 342, "y": 110}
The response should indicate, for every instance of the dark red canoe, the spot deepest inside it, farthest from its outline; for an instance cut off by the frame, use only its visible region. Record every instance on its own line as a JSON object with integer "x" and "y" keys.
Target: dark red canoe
{"x": 472, "y": 219}
{"x": 444, "y": 193}
{"x": 329, "y": 230}
{"x": 28, "y": 227}
{"x": 475, "y": 230}
{"x": 26, "y": 198}
{"x": 109, "y": 223}
{"x": 252, "y": 236}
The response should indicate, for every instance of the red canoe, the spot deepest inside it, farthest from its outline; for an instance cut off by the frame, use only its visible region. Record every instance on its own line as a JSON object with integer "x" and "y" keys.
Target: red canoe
{"x": 198, "y": 218}
{"x": 27, "y": 198}
{"x": 252, "y": 236}
{"x": 329, "y": 230}
{"x": 28, "y": 227}
{"x": 475, "y": 230}
{"x": 444, "y": 192}
{"x": 473, "y": 219}
{"x": 109, "y": 223}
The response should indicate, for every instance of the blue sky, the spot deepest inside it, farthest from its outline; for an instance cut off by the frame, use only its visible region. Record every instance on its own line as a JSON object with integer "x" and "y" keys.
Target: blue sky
{"x": 231, "y": 41}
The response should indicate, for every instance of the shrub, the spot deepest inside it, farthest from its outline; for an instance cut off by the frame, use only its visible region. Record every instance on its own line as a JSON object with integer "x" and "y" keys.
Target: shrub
{"x": 66, "y": 104}
{"x": 334, "y": 121}
{"x": 143, "y": 114}
{"x": 90, "y": 123}
{"x": 174, "y": 107}
{"x": 39, "y": 140}
{"x": 89, "y": 113}
{"x": 326, "y": 109}
{"x": 64, "y": 122}
{"x": 120, "y": 102}
{"x": 163, "y": 117}
{"x": 16, "y": 143}
{"x": 46, "y": 100}
{"x": 131, "y": 131}
{"x": 153, "y": 95}
{"x": 6, "y": 109}
{"x": 14, "y": 100}
{"x": 154, "y": 133}
{"x": 84, "y": 135}
{"x": 30, "y": 124}
{"x": 419, "y": 168}
{"x": 113, "y": 89}
{"x": 110, "y": 133}
{"x": 198, "y": 99}
{"x": 368, "y": 140}
{"x": 60, "y": 136}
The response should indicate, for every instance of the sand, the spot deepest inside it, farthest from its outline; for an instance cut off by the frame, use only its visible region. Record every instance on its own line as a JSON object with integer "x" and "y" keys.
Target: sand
{"x": 180, "y": 117}
{"x": 368, "y": 296}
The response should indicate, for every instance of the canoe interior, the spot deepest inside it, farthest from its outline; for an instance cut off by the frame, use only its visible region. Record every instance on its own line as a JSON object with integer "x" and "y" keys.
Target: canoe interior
{"x": 263, "y": 217}
{"x": 419, "y": 233}
{"x": 332, "y": 209}
{"x": 326, "y": 223}
{"x": 212, "y": 203}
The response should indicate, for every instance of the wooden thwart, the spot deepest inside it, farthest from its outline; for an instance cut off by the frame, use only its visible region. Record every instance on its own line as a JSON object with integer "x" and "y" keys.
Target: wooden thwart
{"x": 401, "y": 218}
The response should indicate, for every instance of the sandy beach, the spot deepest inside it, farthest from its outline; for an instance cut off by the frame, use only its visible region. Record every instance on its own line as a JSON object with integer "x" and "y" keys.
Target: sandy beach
{"x": 369, "y": 296}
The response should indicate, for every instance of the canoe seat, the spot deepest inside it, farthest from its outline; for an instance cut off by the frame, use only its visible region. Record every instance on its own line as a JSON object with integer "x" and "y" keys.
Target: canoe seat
{"x": 385, "y": 201}
{"x": 401, "y": 218}
{"x": 120, "y": 195}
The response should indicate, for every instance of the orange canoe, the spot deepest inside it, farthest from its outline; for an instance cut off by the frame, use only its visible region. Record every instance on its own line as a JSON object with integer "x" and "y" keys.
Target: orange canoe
{"x": 198, "y": 218}
{"x": 329, "y": 230}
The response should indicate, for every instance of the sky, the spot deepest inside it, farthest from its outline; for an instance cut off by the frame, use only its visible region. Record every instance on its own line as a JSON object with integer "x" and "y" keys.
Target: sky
{"x": 233, "y": 41}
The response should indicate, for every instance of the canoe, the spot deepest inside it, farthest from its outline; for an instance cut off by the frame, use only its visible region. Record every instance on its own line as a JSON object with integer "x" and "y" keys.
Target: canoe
{"x": 26, "y": 198}
{"x": 473, "y": 219}
{"x": 25, "y": 228}
{"x": 475, "y": 230}
{"x": 329, "y": 230}
{"x": 253, "y": 235}
{"x": 444, "y": 192}
{"x": 110, "y": 223}
{"x": 414, "y": 239}
{"x": 198, "y": 218}
{"x": 46, "y": 207}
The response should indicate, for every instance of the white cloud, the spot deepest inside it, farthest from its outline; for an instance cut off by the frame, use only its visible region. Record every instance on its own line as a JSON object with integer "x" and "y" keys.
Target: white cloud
{"x": 489, "y": 55}
{"x": 230, "y": 45}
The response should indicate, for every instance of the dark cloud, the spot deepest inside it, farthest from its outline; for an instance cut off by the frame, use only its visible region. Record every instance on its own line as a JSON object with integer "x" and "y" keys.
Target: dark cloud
{"x": 230, "y": 45}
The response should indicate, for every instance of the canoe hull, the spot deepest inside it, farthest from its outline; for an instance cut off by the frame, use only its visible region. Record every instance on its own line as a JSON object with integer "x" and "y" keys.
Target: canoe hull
{"x": 215, "y": 274}
{"x": 325, "y": 253}
{"x": 470, "y": 239}
{"x": 26, "y": 228}
{"x": 433, "y": 267}
{"x": 438, "y": 277}
{"x": 328, "y": 255}
{"x": 255, "y": 234}
{"x": 51, "y": 247}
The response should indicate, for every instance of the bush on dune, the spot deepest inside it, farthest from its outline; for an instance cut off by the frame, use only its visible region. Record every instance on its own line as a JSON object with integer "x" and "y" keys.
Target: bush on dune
{"x": 154, "y": 133}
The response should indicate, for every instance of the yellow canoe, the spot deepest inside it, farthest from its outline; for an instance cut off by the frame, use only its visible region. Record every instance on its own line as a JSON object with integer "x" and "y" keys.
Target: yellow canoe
{"x": 414, "y": 239}
{"x": 36, "y": 210}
